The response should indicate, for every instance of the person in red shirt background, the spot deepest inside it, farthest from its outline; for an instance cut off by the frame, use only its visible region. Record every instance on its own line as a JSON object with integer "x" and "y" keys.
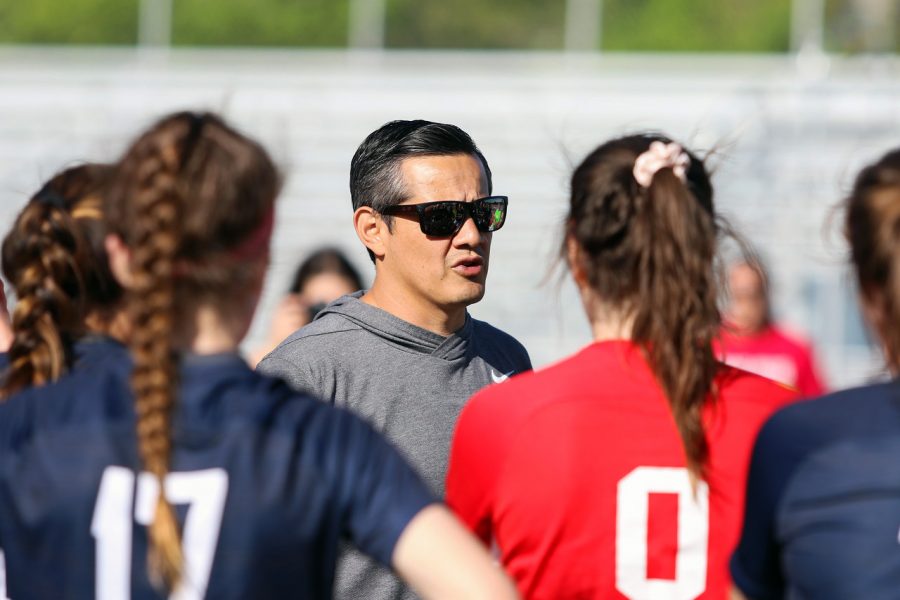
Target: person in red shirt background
{"x": 619, "y": 472}
{"x": 750, "y": 340}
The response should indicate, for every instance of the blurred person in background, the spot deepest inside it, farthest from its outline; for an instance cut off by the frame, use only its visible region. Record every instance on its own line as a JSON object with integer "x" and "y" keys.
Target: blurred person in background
{"x": 405, "y": 354}
{"x": 174, "y": 470}
{"x": 823, "y": 502}
{"x": 324, "y": 276}
{"x": 750, "y": 339}
{"x": 619, "y": 472}
{"x": 67, "y": 300}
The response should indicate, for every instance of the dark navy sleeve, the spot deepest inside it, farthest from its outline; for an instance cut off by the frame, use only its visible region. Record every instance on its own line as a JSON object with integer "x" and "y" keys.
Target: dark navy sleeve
{"x": 382, "y": 493}
{"x": 781, "y": 445}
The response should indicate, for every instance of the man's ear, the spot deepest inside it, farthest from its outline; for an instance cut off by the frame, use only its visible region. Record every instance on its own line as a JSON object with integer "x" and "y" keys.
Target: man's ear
{"x": 371, "y": 230}
{"x": 119, "y": 256}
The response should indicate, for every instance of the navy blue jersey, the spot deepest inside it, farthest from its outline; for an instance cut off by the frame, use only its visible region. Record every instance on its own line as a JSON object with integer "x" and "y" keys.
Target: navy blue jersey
{"x": 264, "y": 482}
{"x": 823, "y": 500}
{"x": 86, "y": 349}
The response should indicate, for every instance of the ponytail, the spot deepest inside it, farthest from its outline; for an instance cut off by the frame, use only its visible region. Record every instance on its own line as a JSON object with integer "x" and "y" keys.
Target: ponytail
{"x": 648, "y": 251}
{"x": 676, "y": 315}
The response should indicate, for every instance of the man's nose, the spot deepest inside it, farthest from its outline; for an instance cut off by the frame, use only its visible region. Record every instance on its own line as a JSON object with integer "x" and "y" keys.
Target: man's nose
{"x": 468, "y": 235}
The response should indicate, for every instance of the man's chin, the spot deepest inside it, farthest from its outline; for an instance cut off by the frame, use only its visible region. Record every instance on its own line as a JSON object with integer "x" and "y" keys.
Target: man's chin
{"x": 472, "y": 294}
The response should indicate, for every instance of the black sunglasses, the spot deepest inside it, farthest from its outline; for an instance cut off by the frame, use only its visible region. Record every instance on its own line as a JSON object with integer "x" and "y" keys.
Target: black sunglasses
{"x": 446, "y": 217}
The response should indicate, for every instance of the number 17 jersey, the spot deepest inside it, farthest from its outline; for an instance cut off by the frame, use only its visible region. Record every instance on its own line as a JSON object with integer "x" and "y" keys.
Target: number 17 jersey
{"x": 264, "y": 482}
{"x": 577, "y": 473}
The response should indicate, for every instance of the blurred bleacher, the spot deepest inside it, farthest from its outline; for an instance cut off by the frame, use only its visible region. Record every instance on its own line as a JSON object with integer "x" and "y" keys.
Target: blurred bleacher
{"x": 786, "y": 132}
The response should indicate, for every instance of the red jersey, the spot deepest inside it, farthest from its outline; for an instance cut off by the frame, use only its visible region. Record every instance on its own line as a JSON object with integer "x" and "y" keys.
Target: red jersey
{"x": 773, "y": 354}
{"x": 578, "y": 474}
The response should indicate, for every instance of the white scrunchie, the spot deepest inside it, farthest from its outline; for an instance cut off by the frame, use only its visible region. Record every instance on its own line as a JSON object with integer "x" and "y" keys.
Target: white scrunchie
{"x": 660, "y": 156}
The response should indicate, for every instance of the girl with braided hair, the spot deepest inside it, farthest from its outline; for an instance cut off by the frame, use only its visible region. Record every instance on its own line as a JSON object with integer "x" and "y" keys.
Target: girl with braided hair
{"x": 55, "y": 260}
{"x": 619, "y": 471}
{"x": 182, "y": 472}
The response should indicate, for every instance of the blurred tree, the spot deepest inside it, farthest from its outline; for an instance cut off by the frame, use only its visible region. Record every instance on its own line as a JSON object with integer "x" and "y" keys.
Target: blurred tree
{"x": 69, "y": 22}
{"x": 260, "y": 22}
{"x": 489, "y": 24}
{"x": 697, "y": 25}
{"x": 862, "y": 25}
{"x": 627, "y": 25}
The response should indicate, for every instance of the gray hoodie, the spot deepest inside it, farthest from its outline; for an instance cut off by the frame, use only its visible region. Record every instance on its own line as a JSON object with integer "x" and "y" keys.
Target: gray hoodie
{"x": 409, "y": 383}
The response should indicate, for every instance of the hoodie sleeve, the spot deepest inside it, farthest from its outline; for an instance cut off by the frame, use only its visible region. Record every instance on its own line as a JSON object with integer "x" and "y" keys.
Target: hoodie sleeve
{"x": 297, "y": 374}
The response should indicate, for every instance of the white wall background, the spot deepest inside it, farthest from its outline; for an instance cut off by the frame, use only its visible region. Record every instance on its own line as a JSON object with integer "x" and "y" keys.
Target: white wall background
{"x": 788, "y": 134}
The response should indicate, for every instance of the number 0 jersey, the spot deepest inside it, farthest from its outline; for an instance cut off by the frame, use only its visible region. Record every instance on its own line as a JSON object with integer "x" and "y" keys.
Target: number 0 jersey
{"x": 578, "y": 474}
{"x": 264, "y": 482}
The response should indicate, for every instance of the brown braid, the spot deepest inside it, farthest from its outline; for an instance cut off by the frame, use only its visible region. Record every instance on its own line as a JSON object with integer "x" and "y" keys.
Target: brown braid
{"x": 649, "y": 252}
{"x": 186, "y": 192}
{"x": 53, "y": 258}
{"x": 151, "y": 315}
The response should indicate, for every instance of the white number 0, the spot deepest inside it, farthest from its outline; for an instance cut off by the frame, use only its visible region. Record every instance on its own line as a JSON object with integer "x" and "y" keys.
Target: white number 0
{"x": 632, "y": 516}
{"x": 204, "y": 491}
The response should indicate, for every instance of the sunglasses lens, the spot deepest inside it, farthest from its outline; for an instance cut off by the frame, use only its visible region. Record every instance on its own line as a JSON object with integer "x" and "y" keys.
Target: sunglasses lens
{"x": 442, "y": 218}
{"x": 490, "y": 214}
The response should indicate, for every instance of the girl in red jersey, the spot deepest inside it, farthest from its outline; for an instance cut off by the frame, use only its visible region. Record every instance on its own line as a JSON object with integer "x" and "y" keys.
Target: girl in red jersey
{"x": 179, "y": 472}
{"x": 619, "y": 472}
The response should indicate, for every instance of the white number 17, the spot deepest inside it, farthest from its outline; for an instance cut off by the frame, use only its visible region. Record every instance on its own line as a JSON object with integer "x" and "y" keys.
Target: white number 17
{"x": 112, "y": 525}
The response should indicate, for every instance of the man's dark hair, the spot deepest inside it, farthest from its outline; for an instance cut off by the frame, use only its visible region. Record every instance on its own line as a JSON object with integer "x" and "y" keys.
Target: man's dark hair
{"x": 375, "y": 178}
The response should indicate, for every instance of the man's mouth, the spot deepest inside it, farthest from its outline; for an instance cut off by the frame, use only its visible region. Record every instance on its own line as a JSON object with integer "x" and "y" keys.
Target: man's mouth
{"x": 469, "y": 266}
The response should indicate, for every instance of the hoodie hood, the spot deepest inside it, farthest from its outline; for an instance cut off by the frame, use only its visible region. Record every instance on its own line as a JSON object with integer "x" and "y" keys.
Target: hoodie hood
{"x": 396, "y": 331}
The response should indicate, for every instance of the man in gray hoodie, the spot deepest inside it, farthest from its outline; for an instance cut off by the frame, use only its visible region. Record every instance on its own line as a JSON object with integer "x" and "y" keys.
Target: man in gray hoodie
{"x": 406, "y": 354}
